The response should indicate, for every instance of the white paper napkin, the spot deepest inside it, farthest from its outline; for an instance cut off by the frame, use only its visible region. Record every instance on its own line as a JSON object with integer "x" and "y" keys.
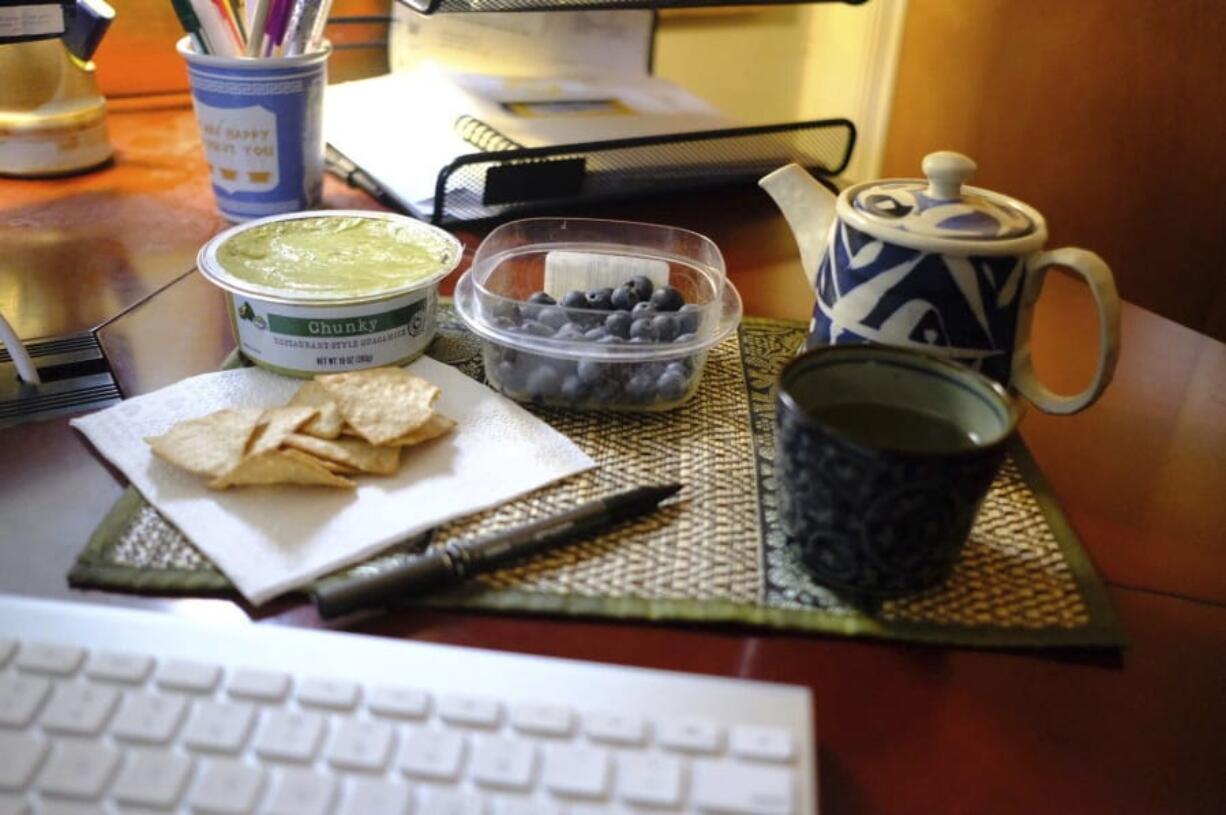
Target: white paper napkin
{"x": 268, "y": 540}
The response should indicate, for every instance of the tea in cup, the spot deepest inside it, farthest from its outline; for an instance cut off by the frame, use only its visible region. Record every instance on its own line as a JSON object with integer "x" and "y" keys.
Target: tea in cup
{"x": 884, "y": 456}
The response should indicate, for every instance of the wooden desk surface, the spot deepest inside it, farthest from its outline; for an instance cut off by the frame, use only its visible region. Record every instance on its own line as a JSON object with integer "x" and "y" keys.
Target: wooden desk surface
{"x": 1142, "y": 477}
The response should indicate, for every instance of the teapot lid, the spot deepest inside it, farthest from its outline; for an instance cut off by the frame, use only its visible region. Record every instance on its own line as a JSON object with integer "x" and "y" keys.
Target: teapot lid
{"x": 941, "y": 207}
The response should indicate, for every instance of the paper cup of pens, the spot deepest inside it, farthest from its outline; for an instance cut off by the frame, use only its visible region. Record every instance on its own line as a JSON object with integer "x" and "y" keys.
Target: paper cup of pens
{"x": 257, "y": 81}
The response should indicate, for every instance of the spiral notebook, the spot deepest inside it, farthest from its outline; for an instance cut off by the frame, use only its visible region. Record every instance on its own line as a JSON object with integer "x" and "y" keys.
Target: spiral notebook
{"x": 397, "y": 132}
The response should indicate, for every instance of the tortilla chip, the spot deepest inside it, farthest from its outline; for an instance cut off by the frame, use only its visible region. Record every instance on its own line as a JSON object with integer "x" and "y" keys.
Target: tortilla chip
{"x": 437, "y": 425}
{"x": 277, "y": 423}
{"x": 352, "y": 452}
{"x": 280, "y": 467}
{"x": 211, "y": 445}
{"x": 381, "y": 404}
{"x": 327, "y": 425}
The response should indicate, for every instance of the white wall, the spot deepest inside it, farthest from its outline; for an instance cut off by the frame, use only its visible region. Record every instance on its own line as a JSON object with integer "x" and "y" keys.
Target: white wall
{"x": 784, "y": 63}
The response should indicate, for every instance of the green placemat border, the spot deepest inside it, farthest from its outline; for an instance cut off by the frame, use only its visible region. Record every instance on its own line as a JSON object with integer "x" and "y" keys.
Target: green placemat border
{"x": 93, "y": 570}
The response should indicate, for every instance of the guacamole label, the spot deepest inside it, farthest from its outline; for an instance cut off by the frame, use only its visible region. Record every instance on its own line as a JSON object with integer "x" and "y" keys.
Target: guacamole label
{"x": 315, "y": 339}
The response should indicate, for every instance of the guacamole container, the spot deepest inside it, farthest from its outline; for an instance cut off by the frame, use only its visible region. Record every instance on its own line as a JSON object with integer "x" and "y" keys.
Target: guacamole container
{"x": 566, "y": 356}
{"x": 313, "y": 292}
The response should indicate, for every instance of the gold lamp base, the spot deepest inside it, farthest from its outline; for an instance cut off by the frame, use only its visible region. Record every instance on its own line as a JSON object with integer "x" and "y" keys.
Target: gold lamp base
{"x": 52, "y": 117}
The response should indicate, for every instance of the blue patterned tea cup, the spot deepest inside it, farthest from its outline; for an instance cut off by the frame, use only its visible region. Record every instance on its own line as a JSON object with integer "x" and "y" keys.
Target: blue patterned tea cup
{"x": 939, "y": 267}
{"x": 883, "y": 458}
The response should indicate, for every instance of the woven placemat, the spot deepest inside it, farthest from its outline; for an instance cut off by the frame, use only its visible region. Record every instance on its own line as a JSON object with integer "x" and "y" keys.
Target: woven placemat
{"x": 718, "y": 556}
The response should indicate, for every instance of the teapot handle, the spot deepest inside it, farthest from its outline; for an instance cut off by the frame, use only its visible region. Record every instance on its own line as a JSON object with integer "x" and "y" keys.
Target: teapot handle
{"x": 1097, "y": 275}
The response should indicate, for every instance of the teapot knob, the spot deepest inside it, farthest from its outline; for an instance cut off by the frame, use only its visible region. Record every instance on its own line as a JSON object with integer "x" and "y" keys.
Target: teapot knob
{"x": 947, "y": 171}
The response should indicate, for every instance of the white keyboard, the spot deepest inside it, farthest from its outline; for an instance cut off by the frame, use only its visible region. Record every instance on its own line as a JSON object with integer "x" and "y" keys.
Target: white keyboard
{"x": 107, "y": 710}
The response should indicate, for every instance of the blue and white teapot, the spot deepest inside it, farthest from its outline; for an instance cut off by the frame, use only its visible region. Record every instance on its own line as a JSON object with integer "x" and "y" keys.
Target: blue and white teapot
{"x": 934, "y": 265}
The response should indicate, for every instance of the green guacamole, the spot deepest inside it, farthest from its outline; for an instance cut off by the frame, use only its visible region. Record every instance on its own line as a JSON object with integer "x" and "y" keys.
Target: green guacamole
{"x": 342, "y": 256}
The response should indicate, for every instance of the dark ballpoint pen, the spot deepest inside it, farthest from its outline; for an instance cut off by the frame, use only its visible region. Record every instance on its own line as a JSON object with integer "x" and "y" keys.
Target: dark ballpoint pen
{"x": 459, "y": 560}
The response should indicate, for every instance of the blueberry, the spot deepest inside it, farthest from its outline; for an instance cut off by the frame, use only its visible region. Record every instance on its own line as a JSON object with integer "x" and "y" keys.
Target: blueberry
{"x": 665, "y": 326}
{"x": 684, "y": 337}
{"x": 610, "y": 339}
{"x": 606, "y": 390}
{"x": 641, "y": 310}
{"x": 505, "y": 323}
{"x": 541, "y": 299}
{"x": 506, "y": 310}
{"x": 575, "y": 389}
{"x": 641, "y": 286}
{"x": 680, "y": 369}
{"x": 690, "y": 315}
{"x": 542, "y": 382}
{"x": 640, "y": 387}
{"x": 506, "y": 375}
{"x": 618, "y": 324}
{"x": 671, "y": 386}
{"x": 590, "y": 371}
{"x": 600, "y": 299}
{"x": 639, "y": 340}
{"x": 624, "y": 298}
{"x": 595, "y": 333}
{"x": 574, "y": 299}
{"x": 554, "y": 317}
{"x": 536, "y": 329}
{"x": 569, "y": 331}
{"x": 642, "y": 329}
{"x": 666, "y": 298}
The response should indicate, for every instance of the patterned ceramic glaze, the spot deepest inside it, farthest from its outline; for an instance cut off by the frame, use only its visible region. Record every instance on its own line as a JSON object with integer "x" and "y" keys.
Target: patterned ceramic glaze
{"x": 874, "y": 521}
{"x": 936, "y": 266}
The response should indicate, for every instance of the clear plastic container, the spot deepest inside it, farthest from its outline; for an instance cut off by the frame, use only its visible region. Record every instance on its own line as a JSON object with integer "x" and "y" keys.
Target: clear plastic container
{"x": 598, "y": 354}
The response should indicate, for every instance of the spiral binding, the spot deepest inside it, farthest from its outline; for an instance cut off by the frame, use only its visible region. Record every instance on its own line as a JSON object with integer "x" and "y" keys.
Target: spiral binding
{"x": 480, "y": 135}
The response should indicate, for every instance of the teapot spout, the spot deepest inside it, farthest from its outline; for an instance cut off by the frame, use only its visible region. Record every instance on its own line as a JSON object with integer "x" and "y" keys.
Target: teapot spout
{"x": 808, "y": 208}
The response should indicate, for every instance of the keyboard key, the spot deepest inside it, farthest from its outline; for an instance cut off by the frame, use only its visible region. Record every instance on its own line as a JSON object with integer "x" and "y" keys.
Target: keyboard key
{"x": 79, "y": 709}
{"x": 616, "y": 728}
{"x": 53, "y": 807}
{"x": 226, "y": 786}
{"x": 43, "y": 658}
{"x": 20, "y": 755}
{"x": 443, "y": 802}
{"x": 511, "y": 807}
{"x": 219, "y": 727}
{"x": 300, "y": 792}
{"x": 113, "y": 666}
{"x": 433, "y": 754}
{"x": 8, "y": 647}
{"x": 361, "y": 745}
{"x": 503, "y": 763}
{"x": 20, "y": 699}
{"x": 148, "y": 718}
{"x": 542, "y": 720}
{"x": 649, "y": 779}
{"x": 328, "y": 693}
{"x": 399, "y": 703}
{"x": 741, "y": 789}
{"x": 11, "y": 804}
{"x": 689, "y": 735}
{"x": 470, "y": 711}
{"x": 369, "y": 797}
{"x": 578, "y": 772}
{"x": 152, "y": 778}
{"x": 259, "y": 686}
{"x": 290, "y": 736}
{"x": 188, "y": 675}
{"x": 79, "y": 769}
{"x": 761, "y": 743}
